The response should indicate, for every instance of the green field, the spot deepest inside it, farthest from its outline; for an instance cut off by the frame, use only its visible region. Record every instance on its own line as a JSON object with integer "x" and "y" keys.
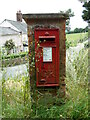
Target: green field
{"x": 75, "y": 38}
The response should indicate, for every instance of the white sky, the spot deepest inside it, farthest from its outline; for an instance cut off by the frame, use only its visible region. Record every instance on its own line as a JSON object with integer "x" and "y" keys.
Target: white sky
{"x": 8, "y": 9}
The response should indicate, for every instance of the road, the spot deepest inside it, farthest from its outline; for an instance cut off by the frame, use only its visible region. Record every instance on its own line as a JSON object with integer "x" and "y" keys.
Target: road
{"x": 14, "y": 71}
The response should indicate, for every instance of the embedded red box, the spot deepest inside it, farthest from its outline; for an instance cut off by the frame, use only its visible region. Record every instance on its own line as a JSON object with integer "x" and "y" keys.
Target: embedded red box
{"x": 47, "y": 57}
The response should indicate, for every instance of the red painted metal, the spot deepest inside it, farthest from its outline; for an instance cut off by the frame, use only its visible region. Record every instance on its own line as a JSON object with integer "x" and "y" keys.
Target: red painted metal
{"x": 41, "y": 37}
{"x": 47, "y": 57}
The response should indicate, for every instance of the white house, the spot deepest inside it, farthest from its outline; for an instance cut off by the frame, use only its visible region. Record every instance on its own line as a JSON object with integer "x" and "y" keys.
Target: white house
{"x": 15, "y": 30}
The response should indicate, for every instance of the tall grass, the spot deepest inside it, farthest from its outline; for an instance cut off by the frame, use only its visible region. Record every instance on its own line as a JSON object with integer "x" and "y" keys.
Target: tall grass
{"x": 17, "y": 102}
{"x": 0, "y": 89}
{"x": 77, "y": 89}
{"x": 75, "y": 104}
{"x": 0, "y": 98}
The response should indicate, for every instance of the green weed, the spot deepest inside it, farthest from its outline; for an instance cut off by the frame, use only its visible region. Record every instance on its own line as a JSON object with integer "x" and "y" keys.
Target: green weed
{"x": 75, "y": 103}
{"x": 16, "y": 100}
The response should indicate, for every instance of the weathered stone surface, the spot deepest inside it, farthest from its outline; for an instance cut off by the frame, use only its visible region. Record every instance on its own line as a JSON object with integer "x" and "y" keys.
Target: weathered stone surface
{"x": 48, "y": 21}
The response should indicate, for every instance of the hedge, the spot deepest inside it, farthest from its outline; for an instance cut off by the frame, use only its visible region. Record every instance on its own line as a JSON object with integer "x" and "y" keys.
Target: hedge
{"x": 12, "y": 56}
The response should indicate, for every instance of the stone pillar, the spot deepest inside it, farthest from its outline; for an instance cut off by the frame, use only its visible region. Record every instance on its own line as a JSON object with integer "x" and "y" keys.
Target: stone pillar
{"x": 47, "y": 21}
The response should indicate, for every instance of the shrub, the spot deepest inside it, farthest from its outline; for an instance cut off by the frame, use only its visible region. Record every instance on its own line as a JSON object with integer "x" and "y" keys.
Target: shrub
{"x": 68, "y": 44}
{"x": 9, "y": 45}
{"x": 12, "y": 56}
{"x": 87, "y": 45}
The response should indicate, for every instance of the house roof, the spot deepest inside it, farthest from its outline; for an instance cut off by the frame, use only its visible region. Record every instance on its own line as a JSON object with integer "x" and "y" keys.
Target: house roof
{"x": 20, "y": 26}
{"x": 7, "y": 31}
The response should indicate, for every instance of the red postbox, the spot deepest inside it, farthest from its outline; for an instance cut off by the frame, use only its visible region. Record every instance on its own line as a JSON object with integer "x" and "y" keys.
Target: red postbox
{"x": 47, "y": 57}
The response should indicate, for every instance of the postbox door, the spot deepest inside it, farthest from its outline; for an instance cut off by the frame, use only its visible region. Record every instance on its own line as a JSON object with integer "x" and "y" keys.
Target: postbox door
{"x": 47, "y": 61}
{"x": 48, "y": 67}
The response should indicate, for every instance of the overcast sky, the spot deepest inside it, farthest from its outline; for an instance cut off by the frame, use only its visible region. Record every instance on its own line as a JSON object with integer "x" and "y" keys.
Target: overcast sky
{"x": 8, "y": 9}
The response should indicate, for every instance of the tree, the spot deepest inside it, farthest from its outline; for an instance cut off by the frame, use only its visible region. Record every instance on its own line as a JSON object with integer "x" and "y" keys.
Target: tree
{"x": 9, "y": 45}
{"x": 86, "y": 12}
{"x": 70, "y": 14}
{"x": 78, "y": 30}
{"x": 83, "y": 1}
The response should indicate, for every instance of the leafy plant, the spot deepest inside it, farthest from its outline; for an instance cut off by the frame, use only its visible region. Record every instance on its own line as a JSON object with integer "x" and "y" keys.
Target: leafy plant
{"x": 86, "y": 12}
{"x": 68, "y": 44}
{"x": 16, "y": 98}
{"x": 69, "y": 14}
{"x": 87, "y": 45}
{"x": 22, "y": 54}
{"x": 9, "y": 45}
